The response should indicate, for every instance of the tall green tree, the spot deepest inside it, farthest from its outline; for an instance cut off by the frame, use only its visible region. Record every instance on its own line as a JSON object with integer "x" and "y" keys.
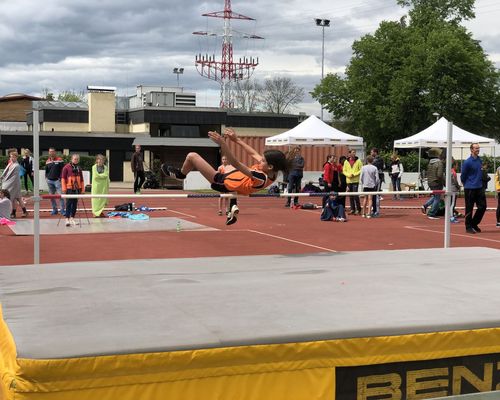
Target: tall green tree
{"x": 406, "y": 71}
{"x": 454, "y": 11}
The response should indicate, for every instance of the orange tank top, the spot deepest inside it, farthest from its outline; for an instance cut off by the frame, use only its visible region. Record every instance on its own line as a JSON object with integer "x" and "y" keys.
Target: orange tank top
{"x": 237, "y": 181}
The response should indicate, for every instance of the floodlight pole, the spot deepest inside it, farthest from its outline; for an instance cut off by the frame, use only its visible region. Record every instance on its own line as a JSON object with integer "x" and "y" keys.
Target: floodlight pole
{"x": 322, "y": 23}
{"x": 178, "y": 71}
{"x": 36, "y": 185}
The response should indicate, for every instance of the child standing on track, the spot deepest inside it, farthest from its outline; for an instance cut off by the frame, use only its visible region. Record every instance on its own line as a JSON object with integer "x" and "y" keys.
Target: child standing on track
{"x": 242, "y": 180}
{"x": 455, "y": 190}
{"x": 224, "y": 168}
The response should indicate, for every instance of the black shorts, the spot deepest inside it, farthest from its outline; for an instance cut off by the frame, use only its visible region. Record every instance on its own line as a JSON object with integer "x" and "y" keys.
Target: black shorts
{"x": 218, "y": 184}
{"x": 369, "y": 189}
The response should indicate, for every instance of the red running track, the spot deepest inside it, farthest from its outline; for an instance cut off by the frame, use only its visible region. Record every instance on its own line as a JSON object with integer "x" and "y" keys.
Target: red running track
{"x": 264, "y": 226}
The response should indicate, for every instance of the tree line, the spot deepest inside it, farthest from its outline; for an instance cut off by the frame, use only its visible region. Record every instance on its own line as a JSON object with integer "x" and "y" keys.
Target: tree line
{"x": 276, "y": 95}
{"x": 407, "y": 72}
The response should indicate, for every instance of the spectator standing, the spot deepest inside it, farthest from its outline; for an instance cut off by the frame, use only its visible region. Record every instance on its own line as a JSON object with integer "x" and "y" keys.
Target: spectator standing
{"x": 397, "y": 170}
{"x": 471, "y": 178}
{"x": 53, "y": 170}
{"x": 378, "y": 162}
{"x": 284, "y": 184}
{"x": 342, "y": 180}
{"x": 137, "y": 165}
{"x": 72, "y": 183}
{"x": 27, "y": 164}
{"x": 12, "y": 182}
{"x": 100, "y": 185}
{"x": 436, "y": 181}
{"x": 328, "y": 172}
{"x": 295, "y": 175}
{"x": 455, "y": 189}
{"x": 5, "y": 204}
{"x": 497, "y": 187}
{"x": 370, "y": 181}
{"x": 337, "y": 169}
{"x": 352, "y": 170}
{"x": 224, "y": 168}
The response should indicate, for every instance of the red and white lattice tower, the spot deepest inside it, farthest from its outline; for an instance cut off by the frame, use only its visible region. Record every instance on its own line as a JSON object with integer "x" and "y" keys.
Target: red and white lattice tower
{"x": 226, "y": 71}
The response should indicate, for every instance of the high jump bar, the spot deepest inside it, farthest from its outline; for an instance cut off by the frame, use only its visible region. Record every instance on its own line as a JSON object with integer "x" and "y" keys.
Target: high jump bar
{"x": 231, "y": 195}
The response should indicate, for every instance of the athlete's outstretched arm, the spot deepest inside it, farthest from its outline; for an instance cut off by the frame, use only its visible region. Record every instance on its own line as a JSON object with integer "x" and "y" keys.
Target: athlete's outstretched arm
{"x": 231, "y": 134}
{"x": 228, "y": 153}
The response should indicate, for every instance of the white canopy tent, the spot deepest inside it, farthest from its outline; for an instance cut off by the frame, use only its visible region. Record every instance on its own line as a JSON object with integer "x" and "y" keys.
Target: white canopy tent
{"x": 313, "y": 131}
{"x": 436, "y": 136}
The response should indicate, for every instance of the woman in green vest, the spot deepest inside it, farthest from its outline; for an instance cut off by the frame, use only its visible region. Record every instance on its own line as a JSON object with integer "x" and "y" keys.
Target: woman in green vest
{"x": 100, "y": 185}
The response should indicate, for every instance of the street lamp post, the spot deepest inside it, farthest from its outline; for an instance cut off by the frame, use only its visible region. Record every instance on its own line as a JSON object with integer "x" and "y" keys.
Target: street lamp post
{"x": 323, "y": 23}
{"x": 178, "y": 71}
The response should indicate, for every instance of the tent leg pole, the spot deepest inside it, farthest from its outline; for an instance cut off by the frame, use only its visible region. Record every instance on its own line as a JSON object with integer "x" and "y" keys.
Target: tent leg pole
{"x": 421, "y": 183}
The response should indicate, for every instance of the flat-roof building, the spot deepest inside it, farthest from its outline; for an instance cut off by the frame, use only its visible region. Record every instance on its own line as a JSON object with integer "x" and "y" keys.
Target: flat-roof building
{"x": 164, "y": 121}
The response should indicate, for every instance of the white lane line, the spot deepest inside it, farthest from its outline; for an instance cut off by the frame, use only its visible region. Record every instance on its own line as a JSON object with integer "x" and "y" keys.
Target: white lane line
{"x": 293, "y": 241}
{"x": 469, "y": 236}
{"x": 181, "y": 213}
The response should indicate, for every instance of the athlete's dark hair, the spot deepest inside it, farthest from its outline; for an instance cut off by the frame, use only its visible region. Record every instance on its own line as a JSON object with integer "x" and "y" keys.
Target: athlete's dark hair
{"x": 277, "y": 159}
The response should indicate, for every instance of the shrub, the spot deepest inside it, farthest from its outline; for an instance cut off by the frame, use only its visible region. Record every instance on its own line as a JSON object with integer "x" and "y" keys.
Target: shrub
{"x": 3, "y": 161}
{"x": 156, "y": 168}
{"x": 86, "y": 162}
{"x": 409, "y": 161}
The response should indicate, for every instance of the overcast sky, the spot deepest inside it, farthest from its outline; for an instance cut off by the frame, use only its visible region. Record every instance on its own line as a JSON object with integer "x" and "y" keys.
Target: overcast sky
{"x": 69, "y": 44}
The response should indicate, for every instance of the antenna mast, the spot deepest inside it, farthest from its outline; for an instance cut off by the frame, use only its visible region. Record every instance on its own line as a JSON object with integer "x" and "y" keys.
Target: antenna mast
{"x": 226, "y": 71}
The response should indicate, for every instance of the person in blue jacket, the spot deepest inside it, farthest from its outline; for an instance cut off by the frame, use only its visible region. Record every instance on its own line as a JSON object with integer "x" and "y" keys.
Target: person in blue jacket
{"x": 472, "y": 181}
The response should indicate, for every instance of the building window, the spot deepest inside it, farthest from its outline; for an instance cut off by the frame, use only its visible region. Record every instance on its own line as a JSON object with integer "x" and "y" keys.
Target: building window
{"x": 179, "y": 131}
{"x": 121, "y": 118}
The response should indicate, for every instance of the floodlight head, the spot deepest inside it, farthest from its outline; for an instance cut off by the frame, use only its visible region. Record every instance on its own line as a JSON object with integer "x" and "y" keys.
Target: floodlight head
{"x": 176, "y": 70}
{"x": 318, "y": 21}
{"x": 181, "y": 70}
{"x": 326, "y": 22}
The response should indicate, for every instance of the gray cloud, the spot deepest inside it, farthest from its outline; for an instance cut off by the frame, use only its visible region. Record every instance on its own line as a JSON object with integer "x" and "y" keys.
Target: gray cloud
{"x": 64, "y": 45}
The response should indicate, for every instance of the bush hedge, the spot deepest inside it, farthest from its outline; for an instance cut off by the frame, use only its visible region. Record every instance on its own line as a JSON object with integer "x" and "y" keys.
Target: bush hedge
{"x": 409, "y": 161}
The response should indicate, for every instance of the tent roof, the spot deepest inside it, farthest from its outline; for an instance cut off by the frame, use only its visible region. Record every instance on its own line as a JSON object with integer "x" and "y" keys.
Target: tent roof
{"x": 436, "y": 136}
{"x": 313, "y": 131}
